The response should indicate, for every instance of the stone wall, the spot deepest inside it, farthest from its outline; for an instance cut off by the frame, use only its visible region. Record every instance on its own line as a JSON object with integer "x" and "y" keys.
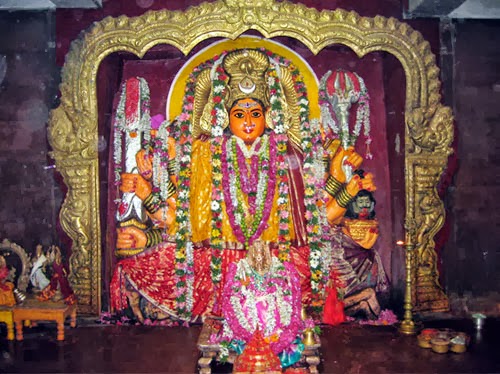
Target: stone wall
{"x": 471, "y": 257}
{"x": 31, "y": 198}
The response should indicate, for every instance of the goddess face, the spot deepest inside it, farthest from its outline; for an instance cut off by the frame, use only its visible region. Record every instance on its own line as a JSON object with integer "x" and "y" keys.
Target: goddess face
{"x": 246, "y": 120}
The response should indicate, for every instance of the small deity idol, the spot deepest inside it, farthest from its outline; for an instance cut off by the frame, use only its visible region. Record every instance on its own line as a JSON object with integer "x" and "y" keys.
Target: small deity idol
{"x": 37, "y": 276}
{"x": 361, "y": 271}
{"x": 59, "y": 286}
{"x": 6, "y": 288}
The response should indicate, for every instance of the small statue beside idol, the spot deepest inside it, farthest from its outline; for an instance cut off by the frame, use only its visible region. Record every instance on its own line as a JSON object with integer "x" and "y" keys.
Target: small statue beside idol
{"x": 58, "y": 287}
{"x": 6, "y": 287}
{"x": 39, "y": 278}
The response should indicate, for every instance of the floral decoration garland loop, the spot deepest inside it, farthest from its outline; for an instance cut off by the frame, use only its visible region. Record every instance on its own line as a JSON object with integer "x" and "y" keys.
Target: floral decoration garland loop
{"x": 246, "y": 292}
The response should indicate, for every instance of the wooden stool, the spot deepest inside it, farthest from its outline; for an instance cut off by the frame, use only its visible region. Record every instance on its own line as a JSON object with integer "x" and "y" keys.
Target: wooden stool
{"x": 34, "y": 310}
{"x": 6, "y": 317}
{"x": 209, "y": 352}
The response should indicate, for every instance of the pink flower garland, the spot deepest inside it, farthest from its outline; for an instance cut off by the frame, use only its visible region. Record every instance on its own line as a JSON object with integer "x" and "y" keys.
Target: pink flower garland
{"x": 283, "y": 276}
{"x": 232, "y": 172}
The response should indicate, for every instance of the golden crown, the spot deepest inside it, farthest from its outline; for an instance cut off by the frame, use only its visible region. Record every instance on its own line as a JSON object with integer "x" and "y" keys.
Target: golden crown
{"x": 247, "y": 70}
{"x": 247, "y": 76}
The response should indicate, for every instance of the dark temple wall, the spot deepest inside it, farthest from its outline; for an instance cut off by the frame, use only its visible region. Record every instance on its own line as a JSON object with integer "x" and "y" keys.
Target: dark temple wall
{"x": 471, "y": 257}
{"x": 30, "y": 196}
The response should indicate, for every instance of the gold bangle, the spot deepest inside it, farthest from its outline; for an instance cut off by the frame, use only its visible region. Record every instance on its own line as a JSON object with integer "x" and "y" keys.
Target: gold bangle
{"x": 331, "y": 146}
{"x": 170, "y": 189}
{"x": 326, "y": 162}
{"x": 343, "y": 198}
{"x": 172, "y": 166}
{"x": 332, "y": 185}
{"x": 152, "y": 203}
{"x": 153, "y": 237}
{"x": 128, "y": 252}
{"x": 133, "y": 222}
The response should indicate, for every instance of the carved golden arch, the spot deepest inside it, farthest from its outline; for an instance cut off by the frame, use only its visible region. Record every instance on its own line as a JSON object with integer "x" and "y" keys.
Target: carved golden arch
{"x": 73, "y": 127}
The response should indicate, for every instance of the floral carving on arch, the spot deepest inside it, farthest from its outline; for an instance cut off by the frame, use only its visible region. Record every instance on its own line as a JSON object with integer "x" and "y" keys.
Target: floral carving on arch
{"x": 73, "y": 127}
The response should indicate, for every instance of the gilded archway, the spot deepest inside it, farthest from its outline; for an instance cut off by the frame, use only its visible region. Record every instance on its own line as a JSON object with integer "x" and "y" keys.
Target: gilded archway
{"x": 73, "y": 127}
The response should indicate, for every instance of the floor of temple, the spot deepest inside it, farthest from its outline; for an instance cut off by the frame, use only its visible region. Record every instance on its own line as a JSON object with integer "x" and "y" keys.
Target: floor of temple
{"x": 348, "y": 348}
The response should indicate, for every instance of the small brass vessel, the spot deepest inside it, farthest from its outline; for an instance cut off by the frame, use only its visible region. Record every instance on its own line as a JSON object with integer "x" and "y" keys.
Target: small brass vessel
{"x": 424, "y": 341}
{"x": 458, "y": 348}
{"x": 459, "y": 343}
{"x": 440, "y": 345}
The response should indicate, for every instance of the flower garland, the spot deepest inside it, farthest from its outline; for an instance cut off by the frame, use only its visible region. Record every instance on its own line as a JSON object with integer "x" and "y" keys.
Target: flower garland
{"x": 314, "y": 199}
{"x": 258, "y": 184}
{"x": 218, "y": 117}
{"x": 184, "y": 267}
{"x": 160, "y": 160}
{"x": 315, "y": 212}
{"x": 159, "y": 147}
{"x": 270, "y": 302}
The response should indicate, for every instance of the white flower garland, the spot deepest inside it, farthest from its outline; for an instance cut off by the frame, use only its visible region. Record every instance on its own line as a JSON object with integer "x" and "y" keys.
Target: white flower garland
{"x": 274, "y": 301}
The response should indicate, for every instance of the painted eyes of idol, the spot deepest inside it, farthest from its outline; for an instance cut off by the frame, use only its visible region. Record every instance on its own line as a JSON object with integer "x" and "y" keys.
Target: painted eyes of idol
{"x": 241, "y": 114}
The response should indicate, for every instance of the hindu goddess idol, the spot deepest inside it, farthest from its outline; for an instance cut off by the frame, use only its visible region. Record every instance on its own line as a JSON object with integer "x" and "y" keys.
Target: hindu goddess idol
{"x": 245, "y": 165}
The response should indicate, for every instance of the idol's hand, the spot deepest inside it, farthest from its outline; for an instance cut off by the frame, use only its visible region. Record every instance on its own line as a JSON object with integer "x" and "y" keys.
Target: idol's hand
{"x": 344, "y": 157}
{"x": 165, "y": 217}
{"x": 357, "y": 184}
{"x": 130, "y": 237}
{"x": 135, "y": 183}
{"x": 144, "y": 163}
